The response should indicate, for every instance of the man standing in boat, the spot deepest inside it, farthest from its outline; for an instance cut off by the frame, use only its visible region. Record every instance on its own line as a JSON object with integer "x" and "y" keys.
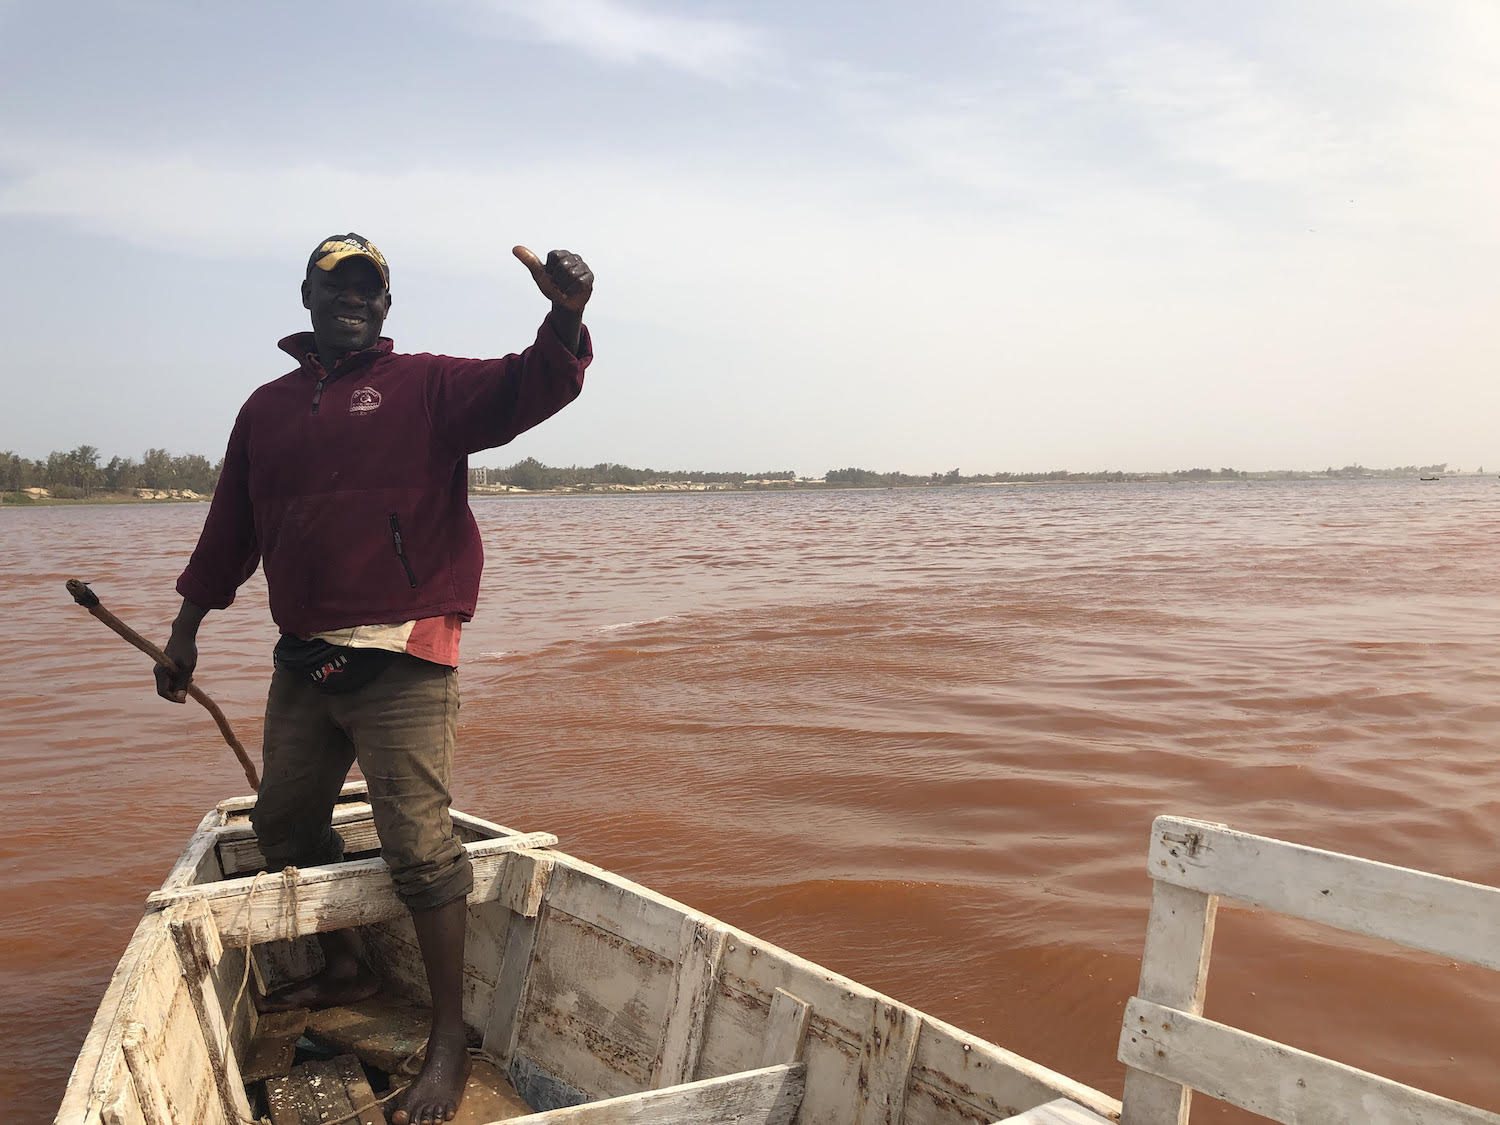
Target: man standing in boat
{"x": 348, "y": 479}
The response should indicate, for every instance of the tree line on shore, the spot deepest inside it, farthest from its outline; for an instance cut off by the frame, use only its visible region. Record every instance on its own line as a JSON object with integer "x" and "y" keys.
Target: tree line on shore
{"x": 865, "y": 478}
{"x": 533, "y": 476}
{"x": 80, "y": 474}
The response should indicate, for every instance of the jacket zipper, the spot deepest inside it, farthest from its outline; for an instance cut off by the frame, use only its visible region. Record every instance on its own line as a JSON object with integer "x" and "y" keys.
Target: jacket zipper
{"x": 400, "y": 547}
{"x": 318, "y": 394}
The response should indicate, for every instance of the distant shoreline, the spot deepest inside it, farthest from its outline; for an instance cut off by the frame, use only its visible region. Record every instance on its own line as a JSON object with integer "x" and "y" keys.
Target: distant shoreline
{"x": 78, "y": 476}
{"x": 103, "y": 499}
{"x": 696, "y": 488}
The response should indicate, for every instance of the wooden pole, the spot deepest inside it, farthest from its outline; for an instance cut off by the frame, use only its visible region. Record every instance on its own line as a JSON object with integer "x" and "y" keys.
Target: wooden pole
{"x": 90, "y": 601}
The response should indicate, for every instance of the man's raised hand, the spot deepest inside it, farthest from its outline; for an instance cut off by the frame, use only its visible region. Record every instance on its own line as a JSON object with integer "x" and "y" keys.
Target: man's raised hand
{"x": 565, "y": 279}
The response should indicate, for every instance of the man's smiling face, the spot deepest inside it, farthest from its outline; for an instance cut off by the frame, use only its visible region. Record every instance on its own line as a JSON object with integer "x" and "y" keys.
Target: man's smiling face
{"x": 348, "y": 303}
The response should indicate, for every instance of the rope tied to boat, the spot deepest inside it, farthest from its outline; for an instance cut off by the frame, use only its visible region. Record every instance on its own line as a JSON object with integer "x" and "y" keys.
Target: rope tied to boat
{"x": 234, "y": 1009}
{"x": 290, "y": 878}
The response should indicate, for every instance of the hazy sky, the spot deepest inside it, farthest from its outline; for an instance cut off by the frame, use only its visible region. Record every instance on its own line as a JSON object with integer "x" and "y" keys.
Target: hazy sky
{"x": 991, "y": 235}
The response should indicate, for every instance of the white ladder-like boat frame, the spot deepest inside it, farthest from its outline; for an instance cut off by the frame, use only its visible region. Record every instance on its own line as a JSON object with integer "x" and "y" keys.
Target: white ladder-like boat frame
{"x": 1170, "y": 1050}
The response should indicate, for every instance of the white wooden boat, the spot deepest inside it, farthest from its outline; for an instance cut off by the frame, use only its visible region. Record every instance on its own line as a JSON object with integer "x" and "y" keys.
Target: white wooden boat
{"x": 601, "y": 1001}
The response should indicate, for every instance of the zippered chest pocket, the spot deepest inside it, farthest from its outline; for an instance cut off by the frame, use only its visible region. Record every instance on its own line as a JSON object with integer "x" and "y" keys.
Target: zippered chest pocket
{"x": 400, "y": 546}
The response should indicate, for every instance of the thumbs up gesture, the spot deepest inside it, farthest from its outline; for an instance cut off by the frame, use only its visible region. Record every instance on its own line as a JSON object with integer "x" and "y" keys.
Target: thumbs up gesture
{"x": 565, "y": 279}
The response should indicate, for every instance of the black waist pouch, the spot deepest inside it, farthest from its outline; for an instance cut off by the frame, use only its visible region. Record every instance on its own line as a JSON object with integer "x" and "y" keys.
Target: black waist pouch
{"x": 329, "y": 667}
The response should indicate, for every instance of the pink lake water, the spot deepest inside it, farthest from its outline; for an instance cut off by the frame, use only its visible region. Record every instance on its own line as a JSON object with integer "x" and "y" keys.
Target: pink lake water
{"x": 917, "y": 736}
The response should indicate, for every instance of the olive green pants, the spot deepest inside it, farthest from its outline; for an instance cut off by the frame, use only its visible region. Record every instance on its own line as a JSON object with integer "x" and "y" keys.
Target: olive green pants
{"x": 401, "y": 727}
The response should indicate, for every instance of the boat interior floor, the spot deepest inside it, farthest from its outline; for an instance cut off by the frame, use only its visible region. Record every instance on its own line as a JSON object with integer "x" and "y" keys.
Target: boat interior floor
{"x": 346, "y": 1063}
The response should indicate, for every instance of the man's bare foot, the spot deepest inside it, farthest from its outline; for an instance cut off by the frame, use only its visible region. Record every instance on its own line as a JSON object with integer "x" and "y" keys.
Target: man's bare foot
{"x": 438, "y": 1088}
{"x": 335, "y": 985}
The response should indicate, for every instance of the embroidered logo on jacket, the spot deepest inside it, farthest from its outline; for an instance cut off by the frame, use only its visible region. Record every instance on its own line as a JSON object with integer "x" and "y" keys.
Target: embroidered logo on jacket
{"x": 364, "y": 400}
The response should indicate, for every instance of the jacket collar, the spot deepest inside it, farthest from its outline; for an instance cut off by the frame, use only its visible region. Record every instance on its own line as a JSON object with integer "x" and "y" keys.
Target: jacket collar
{"x": 303, "y": 347}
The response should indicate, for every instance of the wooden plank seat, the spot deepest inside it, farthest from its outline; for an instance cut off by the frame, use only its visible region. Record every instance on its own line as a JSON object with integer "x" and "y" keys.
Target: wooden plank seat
{"x": 280, "y": 905}
{"x": 1169, "y": 1049}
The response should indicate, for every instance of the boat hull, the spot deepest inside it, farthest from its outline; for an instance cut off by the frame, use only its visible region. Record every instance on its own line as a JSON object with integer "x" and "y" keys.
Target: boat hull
{"x": 581, "y": 985}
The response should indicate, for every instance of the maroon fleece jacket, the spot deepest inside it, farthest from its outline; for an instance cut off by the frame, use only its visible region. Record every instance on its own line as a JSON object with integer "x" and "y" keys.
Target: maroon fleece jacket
{"x": 353, "y": 486}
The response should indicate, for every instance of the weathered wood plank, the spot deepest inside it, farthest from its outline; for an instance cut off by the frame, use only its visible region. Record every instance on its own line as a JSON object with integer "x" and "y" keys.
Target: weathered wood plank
{"x": 524, "y": 881}
{"x": 1174, "y": 972}
{"x": 272, "y": 1050}
{"x": 786, "y": 1029}
{"x": 190, "y": 865}
{"x": 504, "y": 1024}
{"x": 122, "y": 1108}
{"x": 239, "y": 852}
{"x": 1060, "y": 1112}
{"x": 233, "y": 805}
{"x": 885, "y": 1064}
{"x": 334, "y": 897}
{"x": 99, "y": 1074}
{"x": 484, "y": 944}
{"x": 480, "y": 828}
{"x": 1272, "y": 1079}
{"x": 509, "y": 1001}
{"x": 345, "y": 813}
{"x": 769, "y": 1096}
{"x": 183, "y": 1063}
{"x": 195, "y": 936}
{"x": 243, "y": 857}
{"x": 613, "y": 904}
{"x": 953, "y": 1072}
{"x": 152, "y": 1099}
{"x": 377, "y": 1031}
{"x": 1445, "y": 916}
{"x": 238, "y": 1007}
{"x": 291, "y": 1102}
{"x": 982, "y": 1076}
{"x": 702, "y": 948}
{"x": 158, "y": 1020}
{"x": 323, "y": 1091}
{"x": 594, "y": 1007}
{"x": 281, "y": 963}
{"x": 488, "y": 925}
{"x": 158, "y": 983}
{"x": 957, "y": 1077}
{"x": 842, "y": 1016}
{"x": 959, "y": 1069}
{"x": 191, "y": 926}
{"x": 362, "y": 1101}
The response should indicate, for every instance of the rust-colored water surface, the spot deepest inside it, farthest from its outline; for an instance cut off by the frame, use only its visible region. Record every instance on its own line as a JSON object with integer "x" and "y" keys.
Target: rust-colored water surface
{"x": 917, "y": 736}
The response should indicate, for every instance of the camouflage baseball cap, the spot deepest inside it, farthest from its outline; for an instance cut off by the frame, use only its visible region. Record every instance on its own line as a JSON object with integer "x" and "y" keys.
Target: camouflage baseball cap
{"x": 337, "y": 248}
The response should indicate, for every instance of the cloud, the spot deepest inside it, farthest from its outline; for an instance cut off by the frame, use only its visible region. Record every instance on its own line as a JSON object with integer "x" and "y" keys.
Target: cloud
{"x": 1105, "y": 109}
{"x": 688, "y": 237}
{"x": 620, "y": 33}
